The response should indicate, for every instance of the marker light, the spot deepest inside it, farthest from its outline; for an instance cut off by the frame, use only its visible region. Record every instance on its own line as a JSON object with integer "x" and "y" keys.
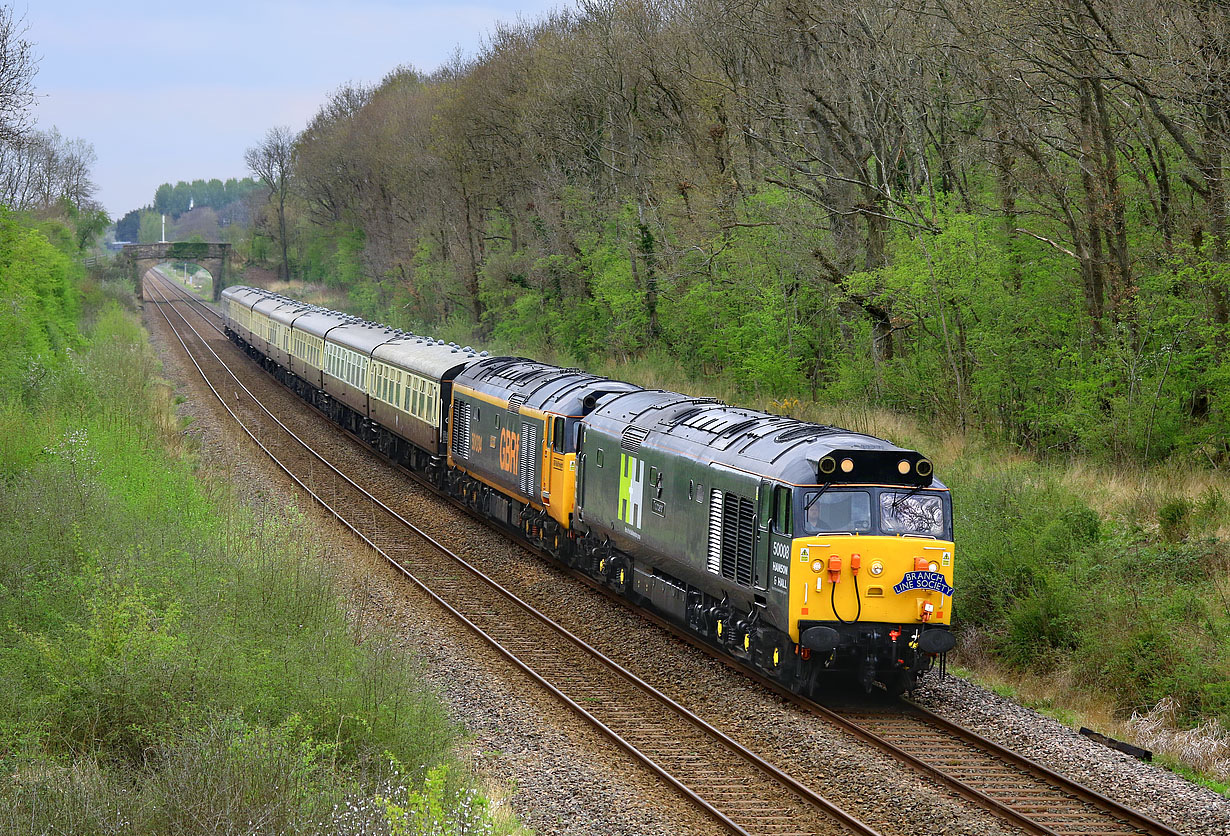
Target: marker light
{"x": 903, "y": 467}
{"x": 847, "y": 465}
{"x": 877, "y": 568}
{"x": 933, "y": 566}
{"x": 818, "y": 566}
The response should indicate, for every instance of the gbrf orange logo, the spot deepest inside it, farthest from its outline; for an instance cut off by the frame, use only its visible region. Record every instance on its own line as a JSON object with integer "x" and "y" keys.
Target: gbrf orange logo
{"x": 508, "y": 450}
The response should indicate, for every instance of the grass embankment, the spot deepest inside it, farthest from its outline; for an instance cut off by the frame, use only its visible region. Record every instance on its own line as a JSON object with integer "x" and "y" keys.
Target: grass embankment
{"x": 1098, "y": 593}
{"x": 171, "y": 661}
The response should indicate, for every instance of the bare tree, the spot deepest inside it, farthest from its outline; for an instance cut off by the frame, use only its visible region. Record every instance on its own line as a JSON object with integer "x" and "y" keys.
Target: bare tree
{"x": 272, "y": 161}
{"x": 44, "y": 168}
{"x": 17, "y": 68}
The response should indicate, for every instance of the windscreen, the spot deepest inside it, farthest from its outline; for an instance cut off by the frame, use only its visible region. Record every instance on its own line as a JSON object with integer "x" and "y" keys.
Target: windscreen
{"x": 906, "y": 512}
{"x": 834, "y": 511}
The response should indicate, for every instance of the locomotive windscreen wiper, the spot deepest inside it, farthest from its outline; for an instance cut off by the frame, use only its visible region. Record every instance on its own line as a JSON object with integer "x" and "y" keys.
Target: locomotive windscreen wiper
{"x": 816, "y": 496}
{"x": 899, "y": 499}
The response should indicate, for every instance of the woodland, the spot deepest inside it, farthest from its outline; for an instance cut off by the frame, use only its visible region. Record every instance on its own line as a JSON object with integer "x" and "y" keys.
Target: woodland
{"x": 993, "y": 214}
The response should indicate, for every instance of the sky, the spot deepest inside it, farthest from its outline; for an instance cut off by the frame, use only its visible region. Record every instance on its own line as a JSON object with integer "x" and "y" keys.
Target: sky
{"x": 177, "y": 90}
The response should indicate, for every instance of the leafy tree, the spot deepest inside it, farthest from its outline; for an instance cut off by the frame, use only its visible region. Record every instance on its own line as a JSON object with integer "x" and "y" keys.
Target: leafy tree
{"x": 128, "y": 228}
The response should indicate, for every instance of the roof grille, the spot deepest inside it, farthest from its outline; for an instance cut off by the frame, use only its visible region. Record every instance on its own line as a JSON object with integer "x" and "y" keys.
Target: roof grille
{"x": 514, "y": 403}
{"x": 803, "y": 431}
{"x": 633, "y": 436}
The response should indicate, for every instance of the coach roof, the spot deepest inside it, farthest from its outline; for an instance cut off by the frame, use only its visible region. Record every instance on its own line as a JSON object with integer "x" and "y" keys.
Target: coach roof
{"x": 424, "y": 356}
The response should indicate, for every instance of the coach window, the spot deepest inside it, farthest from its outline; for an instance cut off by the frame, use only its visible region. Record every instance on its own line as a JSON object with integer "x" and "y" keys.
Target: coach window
{"x": 557, "y": 439}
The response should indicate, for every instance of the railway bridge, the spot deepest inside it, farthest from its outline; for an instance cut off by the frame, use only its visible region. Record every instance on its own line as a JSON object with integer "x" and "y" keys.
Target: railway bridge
{"x": 216, "y": 258}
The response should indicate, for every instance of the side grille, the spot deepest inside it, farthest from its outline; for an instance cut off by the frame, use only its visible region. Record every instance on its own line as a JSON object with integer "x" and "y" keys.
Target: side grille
{"x": 525, "y": 461}
{"x": 738, "y": 538}
{"x": 461, "y": 429}
{"x": 715, "y": 531}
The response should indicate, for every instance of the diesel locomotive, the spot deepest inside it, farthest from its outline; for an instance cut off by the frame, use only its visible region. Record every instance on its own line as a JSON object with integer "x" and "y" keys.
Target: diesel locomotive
{"x": 806, "y": 551}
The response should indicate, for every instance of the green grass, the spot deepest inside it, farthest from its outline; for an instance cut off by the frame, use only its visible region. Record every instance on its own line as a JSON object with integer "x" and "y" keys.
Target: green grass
{"x": 172, "y": 661}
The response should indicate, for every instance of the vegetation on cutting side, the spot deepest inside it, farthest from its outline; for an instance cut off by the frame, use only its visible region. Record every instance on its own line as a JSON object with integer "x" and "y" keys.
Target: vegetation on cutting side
{"x": 171, "y": 661}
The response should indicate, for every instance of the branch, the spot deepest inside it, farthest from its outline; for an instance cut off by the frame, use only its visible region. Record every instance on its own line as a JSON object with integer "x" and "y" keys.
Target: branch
{"x": 1054, "y": 244}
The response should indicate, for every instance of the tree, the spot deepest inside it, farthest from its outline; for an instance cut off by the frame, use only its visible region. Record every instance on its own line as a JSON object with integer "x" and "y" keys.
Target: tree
{"x": 43, "y": 169}
{"x": 128, "y": 227}
{"x": 17, "y": 68}
{"x": 272, "y": 161}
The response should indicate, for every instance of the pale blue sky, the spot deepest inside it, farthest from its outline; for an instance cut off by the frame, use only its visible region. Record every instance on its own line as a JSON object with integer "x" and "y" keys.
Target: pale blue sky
{"x": 173, "y": 91}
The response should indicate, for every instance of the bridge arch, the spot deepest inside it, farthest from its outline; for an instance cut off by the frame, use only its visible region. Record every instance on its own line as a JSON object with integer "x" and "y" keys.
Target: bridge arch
{"x": 216, "y": 258}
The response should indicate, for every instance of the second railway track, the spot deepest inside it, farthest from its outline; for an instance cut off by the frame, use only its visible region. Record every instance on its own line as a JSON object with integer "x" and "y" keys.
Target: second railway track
{"x": 1025, "y": 795}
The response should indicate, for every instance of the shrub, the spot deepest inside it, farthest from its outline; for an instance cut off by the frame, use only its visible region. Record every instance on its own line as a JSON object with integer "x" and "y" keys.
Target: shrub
{"x": 1173, "y": 519}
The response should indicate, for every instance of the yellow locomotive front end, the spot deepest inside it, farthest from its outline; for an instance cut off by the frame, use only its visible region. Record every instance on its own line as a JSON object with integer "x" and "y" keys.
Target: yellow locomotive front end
{"x": 871, "y": 581}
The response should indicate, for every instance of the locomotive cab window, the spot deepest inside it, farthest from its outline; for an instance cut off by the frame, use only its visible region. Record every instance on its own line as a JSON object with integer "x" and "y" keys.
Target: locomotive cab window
{"x": 557, "y": 435}
{"x": 781, "y": 510}
{"x": 919, "y": 514}
{"x": 832, "y": 511}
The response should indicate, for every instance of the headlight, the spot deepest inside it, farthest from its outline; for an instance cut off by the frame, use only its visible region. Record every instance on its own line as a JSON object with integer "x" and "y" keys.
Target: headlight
{"x": 877, "y": 568}
{"x": 933, "y": 566}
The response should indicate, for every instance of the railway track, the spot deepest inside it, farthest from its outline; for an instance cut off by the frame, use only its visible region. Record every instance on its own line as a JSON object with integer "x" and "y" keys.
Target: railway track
{"x": 1027, "y": 792}
{"x": 1026, "y": 795}
{"x": 739, "y": 790}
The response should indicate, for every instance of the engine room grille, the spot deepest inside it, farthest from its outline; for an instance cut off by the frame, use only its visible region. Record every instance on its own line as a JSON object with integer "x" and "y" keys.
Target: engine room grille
{"x": 525, "y": 461}
{"x": 738, "y": 538}
{"x": 461, "y": 429}
{"x": 715, "y": 531}
{"x": 514, "y": 403}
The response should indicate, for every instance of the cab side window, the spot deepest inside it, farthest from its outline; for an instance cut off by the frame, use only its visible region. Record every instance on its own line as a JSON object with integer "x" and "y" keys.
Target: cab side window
{"x": 557, "y": 435}
{"x": 781, "y": 510}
